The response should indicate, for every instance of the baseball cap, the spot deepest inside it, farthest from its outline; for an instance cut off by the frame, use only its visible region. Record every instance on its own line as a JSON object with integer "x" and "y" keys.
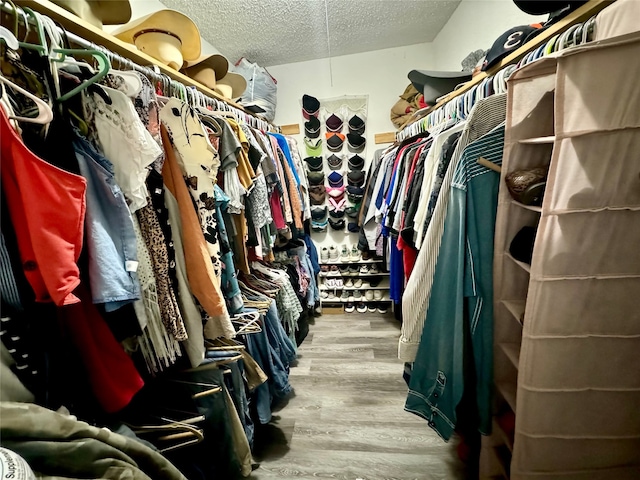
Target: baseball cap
{"x": 314, "y": 164}
{"x": 335, "y": 141}
{"x": 310, "y": 106}
{"x": 506, "y": 43}
{"x": 356, "y": 125}
{"x": 335, "y": 162}
{"x": 355, "y": 142}
{"x": 312, "y": 128}
{"x": 334, "y": 123}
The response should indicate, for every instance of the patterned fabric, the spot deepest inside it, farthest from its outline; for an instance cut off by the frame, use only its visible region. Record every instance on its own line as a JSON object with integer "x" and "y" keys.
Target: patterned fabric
{"x": 155, "y": 241}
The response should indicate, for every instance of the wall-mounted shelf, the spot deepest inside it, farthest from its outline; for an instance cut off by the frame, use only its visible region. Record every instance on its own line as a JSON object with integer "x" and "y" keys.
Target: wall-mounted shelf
{"x": 527, "y": 207}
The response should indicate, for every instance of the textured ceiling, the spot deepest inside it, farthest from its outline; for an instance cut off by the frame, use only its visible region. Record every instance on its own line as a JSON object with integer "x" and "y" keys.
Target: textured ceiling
{"x": 274, "y": 32}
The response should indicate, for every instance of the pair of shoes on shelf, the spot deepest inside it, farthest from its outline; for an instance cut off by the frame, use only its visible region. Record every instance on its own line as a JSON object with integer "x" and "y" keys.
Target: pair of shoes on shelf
{"x": 333, "y": 283}
{"x": 349, "y": 307}
{"x": 361, "y": 308}
{"x": 345, "y": 296}
{"x": 357, "y": 283}
{"x": 324, "y": 270}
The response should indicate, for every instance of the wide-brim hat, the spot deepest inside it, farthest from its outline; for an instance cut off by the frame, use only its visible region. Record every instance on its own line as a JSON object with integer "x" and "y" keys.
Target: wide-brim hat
{"x": 167, "y": 21}
{"x": 207, "y": 69}
{"x": 231, "y": 86}
{"x": 110, "y": 12}
{"x": 435, "y": 84}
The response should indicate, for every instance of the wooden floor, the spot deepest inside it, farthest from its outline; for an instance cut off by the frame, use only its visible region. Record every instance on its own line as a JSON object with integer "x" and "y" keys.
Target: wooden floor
{"x": 346, "y": 420}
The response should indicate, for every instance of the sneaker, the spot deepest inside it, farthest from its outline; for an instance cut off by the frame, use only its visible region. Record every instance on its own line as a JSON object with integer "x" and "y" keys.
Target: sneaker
{"x": 333, "y": 253}
{"x": 366, "y": 255}
{"x": 324, "y": 294}
{"x": 364, "y": 270}
{"x": 382, "y": 308}
{"x": 324, "y": 270}
{"x": 373, "y": 270}
{"x": 344, "y": 254}
{"x": 338, "y": 282}
{"x": 355, "y": 254}
{"x": 377, "y": 295}
{"x": 374, "y": 282}
{"x": 344, "y": 270}
{"x": 362, "y": 308}
{"x": 334, "y": 271}
{"x": 358, "y": 283}
{"x": 351, "y": 297}
{"x": 324, "y": 255}
{"x": 349, "y": 283}
{"x": 349, "y": 307}
{"x": 357, "y": 295}
{"x": 368, "y": 296}
{"x": 331, "y": 296}
{"x": 371, "y": 308}
{"x": 345, "y": 296}
{"x": 365, "y": 284}
{"x": 329, "y": 283}
{"x": 354, "y": 270}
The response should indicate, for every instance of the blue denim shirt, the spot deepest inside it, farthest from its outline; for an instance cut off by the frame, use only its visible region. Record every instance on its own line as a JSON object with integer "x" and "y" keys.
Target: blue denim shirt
{"x": 109, "y": 234}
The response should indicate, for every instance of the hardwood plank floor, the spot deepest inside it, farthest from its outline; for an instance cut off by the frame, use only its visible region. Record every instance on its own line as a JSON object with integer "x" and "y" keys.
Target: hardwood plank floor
{"x": 346, "y": 420}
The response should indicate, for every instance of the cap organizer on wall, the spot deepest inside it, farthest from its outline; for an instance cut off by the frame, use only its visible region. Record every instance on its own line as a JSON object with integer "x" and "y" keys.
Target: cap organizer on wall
{"x": 335, "y": 146}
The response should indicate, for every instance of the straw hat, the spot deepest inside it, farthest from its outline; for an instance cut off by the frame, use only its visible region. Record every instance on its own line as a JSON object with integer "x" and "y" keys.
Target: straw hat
{"x": 207, "y": 69}
{"x": 98, "y": 12}
{"x": 231, "y": 86}
{"x": 163, "y": 34}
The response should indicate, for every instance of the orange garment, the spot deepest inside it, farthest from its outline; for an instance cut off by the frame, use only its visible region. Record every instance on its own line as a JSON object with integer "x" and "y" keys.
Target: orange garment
{"x": 47, "y": 207}
{"x": 202, "y": 278}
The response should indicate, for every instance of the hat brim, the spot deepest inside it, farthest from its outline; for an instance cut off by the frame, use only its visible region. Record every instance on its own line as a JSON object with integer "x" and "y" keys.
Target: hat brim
{"x": 110, "y": 12}
{"x": 168, "y": 20}
{"x": 434, "y": 85}
{"x": 218, "y": 63}
{"x": 237, "y": 83}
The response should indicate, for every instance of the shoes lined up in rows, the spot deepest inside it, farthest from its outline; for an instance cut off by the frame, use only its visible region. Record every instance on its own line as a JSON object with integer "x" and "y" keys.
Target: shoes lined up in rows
{"x": 345, "y": 254}
{"x": 351, "y": 283}
{"x": 363, "y": 308}
{"x": 353, "y": 295}
{"x": 351, "y": 270}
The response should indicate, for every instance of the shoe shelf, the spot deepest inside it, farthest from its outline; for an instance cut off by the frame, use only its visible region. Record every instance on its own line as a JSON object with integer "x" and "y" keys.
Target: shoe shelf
{"x": 337, "y": 300}
{"x": 348, "y": 261}
{"x": 340, "y": 275}
{"x": 384, "y": 285}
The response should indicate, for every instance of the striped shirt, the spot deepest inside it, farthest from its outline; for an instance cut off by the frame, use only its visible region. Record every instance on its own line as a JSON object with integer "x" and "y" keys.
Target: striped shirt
{"x": 487, "y": 114}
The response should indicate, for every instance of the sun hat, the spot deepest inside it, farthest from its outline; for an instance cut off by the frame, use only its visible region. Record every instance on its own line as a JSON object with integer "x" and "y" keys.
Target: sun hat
{"x": 231, "y": 86}
{"x": 355, "y": 142}
{"x": 355, "y": 178}
{"x": 313, "y": 146}
{"x": 335, "y": 141}
{"x": 433, "y": 84}
{"x": 335, "y": 179}
{"x": 312, "y": 128}
{"x": 207, "y": 69}
{"x": 335, "y": 161}
{"x": 356, "y": 162}
{"x": 315, "y": 178}
{"x": 356, "y": 125}
{"x": 314, "y": 164}
{"x": 334, "y": 123}
{"x": 310, "y": 106}
{"x": 167, "y": 35}
{"x": 98, "y": 12}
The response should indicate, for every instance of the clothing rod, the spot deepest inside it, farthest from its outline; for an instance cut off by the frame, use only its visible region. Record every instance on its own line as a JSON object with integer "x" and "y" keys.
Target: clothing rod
{"x": 187, "y": 93}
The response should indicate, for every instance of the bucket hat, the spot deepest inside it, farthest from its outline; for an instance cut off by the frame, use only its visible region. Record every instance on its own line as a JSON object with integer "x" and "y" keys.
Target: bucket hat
{"x": 143, "y": 33}
{"x": 335, "y": 179}
{"x": 334, "y": 123}
{"x": 356, "y": 162}
{"x": 335, "y": 161}
{"x": 313, "y": 147}
{"x": 356, "y": 125}
{"x": 335, "y": 141}
{"x": 314, "y": 164}
{"x": 312, "y": 128}
{"x": 355, "y": 142}
{"x": 310, "y": 106}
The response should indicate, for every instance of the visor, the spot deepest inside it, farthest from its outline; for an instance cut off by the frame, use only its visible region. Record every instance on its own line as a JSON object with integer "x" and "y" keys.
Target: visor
{"x": 313, "y": 146}
{"x": 335, "y": 162}
{"x": 334, "y": 123}
{"x": 355, "y": 142}
{"x": 356, "y": 125}
{"x": 310, "y": 106}
{"x": 312, "y": 128}
{"x": 314, "y": 164}
{"x": 335, "y": 141}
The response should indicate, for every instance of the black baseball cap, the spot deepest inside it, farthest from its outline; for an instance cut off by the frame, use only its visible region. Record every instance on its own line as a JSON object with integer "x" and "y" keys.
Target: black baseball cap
{"x": 537, "y": 7}
{"x": 506, "y": 43}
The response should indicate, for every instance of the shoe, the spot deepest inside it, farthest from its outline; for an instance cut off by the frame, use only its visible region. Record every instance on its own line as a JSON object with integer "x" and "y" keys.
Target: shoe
{"x": 349, "y": 283}
{"x": 331, "y": 296}
{"x": 344, "y": 254}
{"x": 351, "y": 297}
{"x": 345, "y": 296}
{"x": 355, "y": 254}
{"x": 358, "y": 283}
{"x": 368, "y": 296}
{"x": 324, "y": 294}
{"x": 364, "y": 270}
{"x": 324, "y": 255}
{"x": 362, "y": 308}
{"x": 377, "y": 295}
{"x": 365, "y": 284}
{"x": 382, "y": 308}
{"x": 338, "y": 282}
{"x": 371, "y": 308}
{"x": 334, "y": 271}
{"x": 373, "y": 270}
{"x": 354, "y": 270}
{"x": 333, "y": 253}
{"x": 329, "y": 283}
{"x": 349, "y": 307}
{"x": 374, "y": 282}
{"x": 324, "y": 270}
{"x": 344, "y": 270}
{"x": 357, "y": 295}
{"x": 366, "y": 255}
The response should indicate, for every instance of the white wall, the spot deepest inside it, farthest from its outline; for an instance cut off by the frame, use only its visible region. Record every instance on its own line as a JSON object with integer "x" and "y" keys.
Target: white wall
{"x": 474, "y": 25}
